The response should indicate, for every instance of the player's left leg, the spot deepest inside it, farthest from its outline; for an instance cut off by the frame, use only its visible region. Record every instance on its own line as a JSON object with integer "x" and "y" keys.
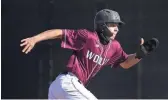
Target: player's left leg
{"x": 67, "y": 86}
{"x": 55, "y": 90}
{"x": 77, "y": 90}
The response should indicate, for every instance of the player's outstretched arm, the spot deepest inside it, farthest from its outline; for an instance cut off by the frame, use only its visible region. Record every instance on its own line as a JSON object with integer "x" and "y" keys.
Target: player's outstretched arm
{"x": 144, "y": 49}
{"x": 29, "y": 43}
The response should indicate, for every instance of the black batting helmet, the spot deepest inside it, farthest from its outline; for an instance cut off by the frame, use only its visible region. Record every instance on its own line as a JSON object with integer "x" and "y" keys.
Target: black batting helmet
{"x": 100, "y": 23}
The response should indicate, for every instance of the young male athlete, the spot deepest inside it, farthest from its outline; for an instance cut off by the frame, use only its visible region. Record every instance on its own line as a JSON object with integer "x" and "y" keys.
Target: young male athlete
{"x": 91, "y": 52}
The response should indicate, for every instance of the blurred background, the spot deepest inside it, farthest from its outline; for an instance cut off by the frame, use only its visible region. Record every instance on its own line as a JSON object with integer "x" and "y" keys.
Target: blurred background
{"x": 29, "y": 76}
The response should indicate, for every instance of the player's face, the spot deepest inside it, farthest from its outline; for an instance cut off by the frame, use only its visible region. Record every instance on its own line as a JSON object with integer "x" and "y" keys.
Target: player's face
{"x": 114, "y": 29}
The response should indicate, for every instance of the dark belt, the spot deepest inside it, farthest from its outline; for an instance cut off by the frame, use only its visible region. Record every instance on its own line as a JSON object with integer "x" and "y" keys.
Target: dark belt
{"x": 66, "y": 72}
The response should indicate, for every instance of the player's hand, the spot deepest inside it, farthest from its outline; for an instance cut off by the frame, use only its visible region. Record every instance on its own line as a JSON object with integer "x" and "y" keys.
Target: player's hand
{"x": 147, "y": 47}
{"x": 28, "y": 44}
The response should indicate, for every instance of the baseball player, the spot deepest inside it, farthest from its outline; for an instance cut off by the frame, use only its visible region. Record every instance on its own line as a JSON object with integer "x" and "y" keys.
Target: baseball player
{"x": 91, "y": 52}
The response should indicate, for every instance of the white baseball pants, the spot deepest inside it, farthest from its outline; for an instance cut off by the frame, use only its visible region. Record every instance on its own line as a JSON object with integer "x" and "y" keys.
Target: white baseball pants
{"x": 67, "y": 86}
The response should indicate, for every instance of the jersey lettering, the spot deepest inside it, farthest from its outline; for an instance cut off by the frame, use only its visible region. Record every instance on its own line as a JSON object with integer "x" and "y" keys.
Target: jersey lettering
{"x": 96, "y": 58}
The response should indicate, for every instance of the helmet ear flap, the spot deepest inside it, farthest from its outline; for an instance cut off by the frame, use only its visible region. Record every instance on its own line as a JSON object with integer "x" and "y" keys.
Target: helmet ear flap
{"x": 98, "y": 27}
{"x": 103, "y": 32}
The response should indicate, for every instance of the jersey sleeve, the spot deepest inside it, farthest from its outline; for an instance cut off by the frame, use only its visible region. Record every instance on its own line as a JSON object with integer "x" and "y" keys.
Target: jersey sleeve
{"x": 119, "y": 57}
{"x": 74, "y": 39}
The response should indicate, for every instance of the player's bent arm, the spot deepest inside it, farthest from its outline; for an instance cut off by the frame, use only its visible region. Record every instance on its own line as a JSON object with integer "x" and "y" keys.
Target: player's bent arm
{"x": 130, "y": 61}
{"x": 49, "y": 34}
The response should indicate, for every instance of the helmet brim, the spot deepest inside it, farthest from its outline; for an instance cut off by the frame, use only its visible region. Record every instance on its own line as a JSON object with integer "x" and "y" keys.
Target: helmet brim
{"x": 118, "y": 22}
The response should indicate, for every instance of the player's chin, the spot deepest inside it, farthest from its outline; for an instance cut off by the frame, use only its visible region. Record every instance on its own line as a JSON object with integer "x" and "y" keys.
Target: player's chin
{"x": 112, "y": 37}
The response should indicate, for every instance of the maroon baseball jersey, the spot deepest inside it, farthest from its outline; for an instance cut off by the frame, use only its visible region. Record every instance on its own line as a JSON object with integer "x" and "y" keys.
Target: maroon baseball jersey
{"x": 89, "y": 54}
